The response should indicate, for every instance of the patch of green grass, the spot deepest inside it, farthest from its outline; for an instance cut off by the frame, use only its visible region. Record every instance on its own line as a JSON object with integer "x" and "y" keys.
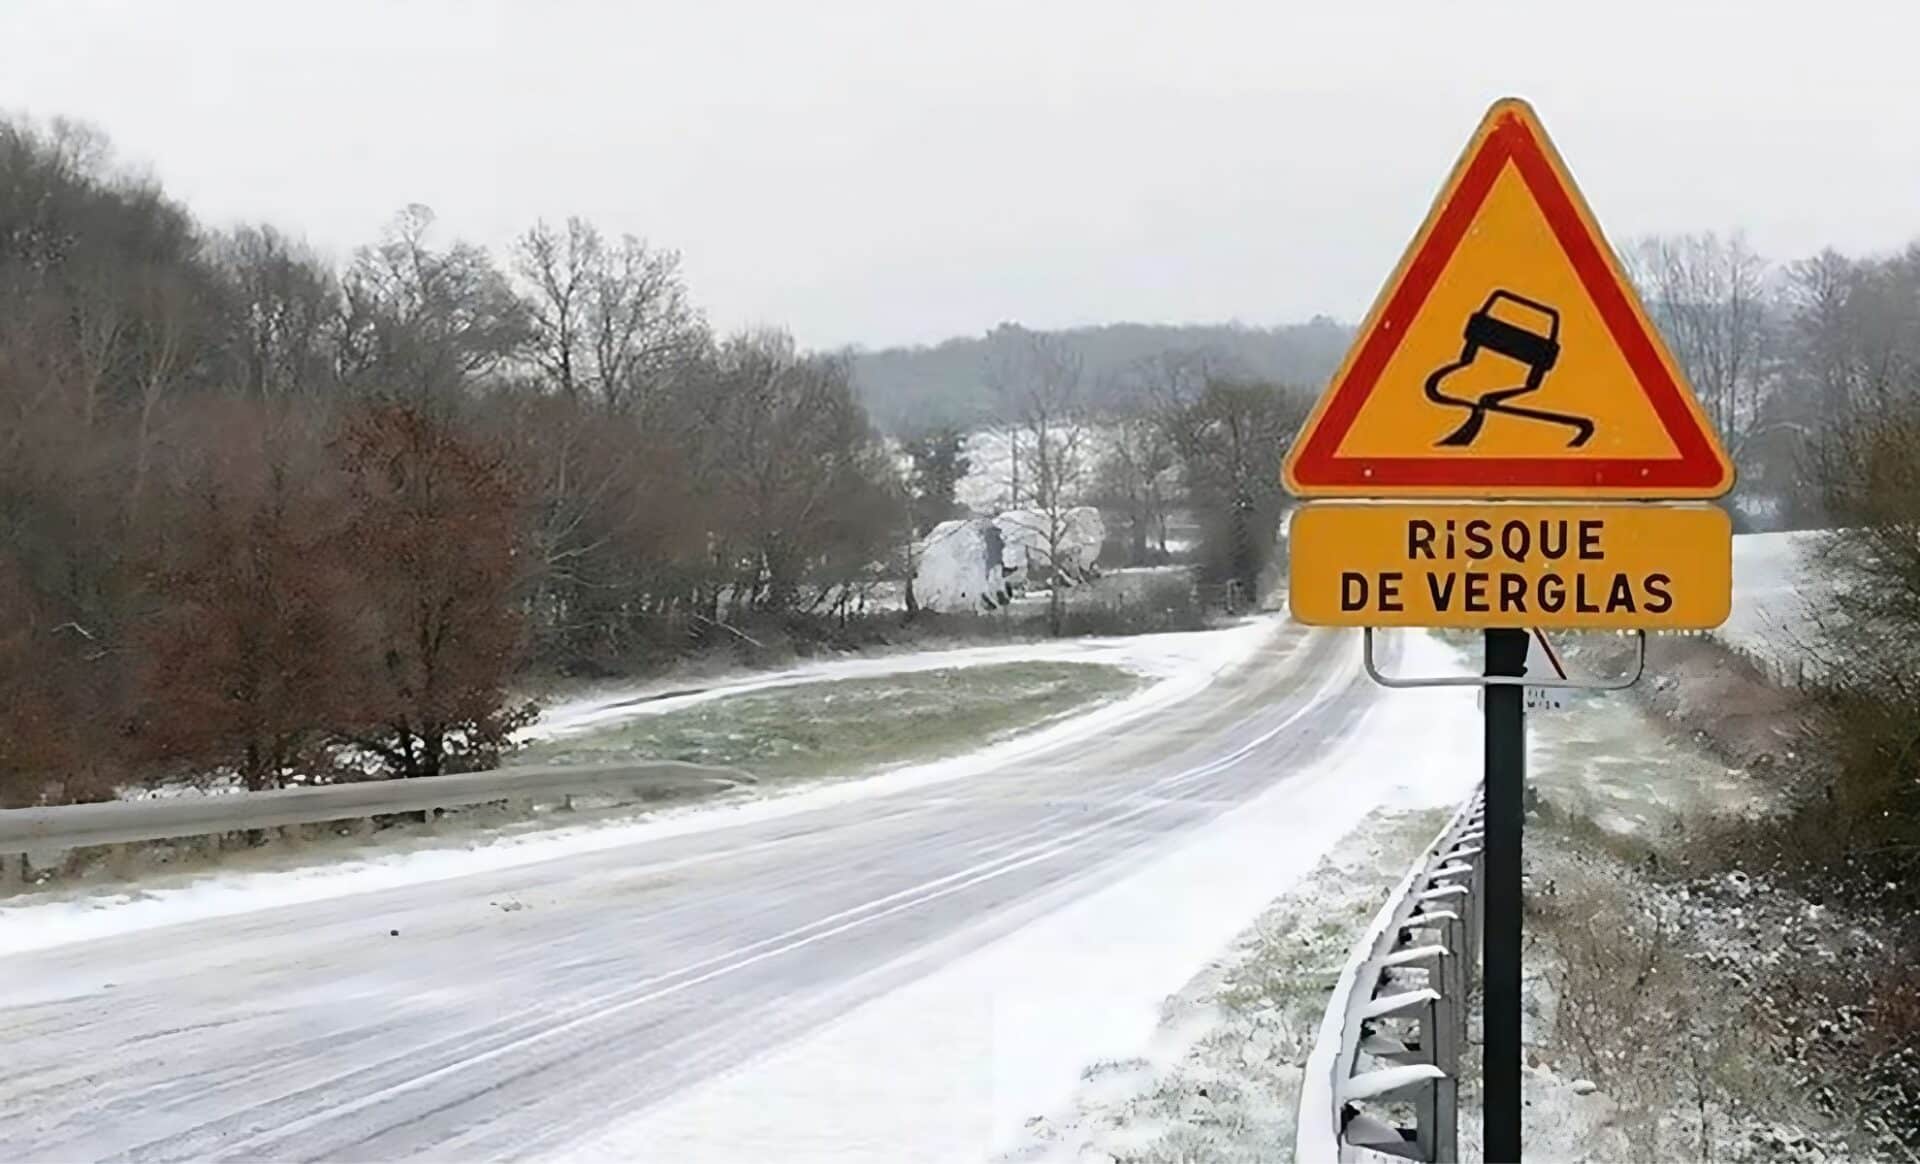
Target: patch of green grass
{"x": 852, "y": 725}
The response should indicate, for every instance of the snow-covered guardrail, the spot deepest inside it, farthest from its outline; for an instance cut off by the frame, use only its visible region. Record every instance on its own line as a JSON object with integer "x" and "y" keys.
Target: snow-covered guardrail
{"x": 77, "y": 826}
{"x": 1383, "y": 1076}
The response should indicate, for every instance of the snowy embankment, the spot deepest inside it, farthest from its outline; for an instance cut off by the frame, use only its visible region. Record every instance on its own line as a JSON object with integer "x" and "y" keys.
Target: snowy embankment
{"x": 1182, "y": 665}
{"x": 982, "y": 1051}
{"x": 1771, "y": 602}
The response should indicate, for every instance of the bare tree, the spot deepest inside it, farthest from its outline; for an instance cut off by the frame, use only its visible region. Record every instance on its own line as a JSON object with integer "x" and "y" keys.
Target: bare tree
{"x": 1135, "y": 477}
{"x": 1041, "y": 388}
{"x": 1856, "y": 329}
{"x": 611, "y": 511}
{"x": 608, "y": 321}
{"x": 1230, "y": 439}
{"x": 175, "y": 318}
{"x": 798, "y": 489}
{"x": 422, "y": 325}
{"x": 1173, "y": 380}
{"x": 1708, "y": 294}
{"x": 283, "y": 303}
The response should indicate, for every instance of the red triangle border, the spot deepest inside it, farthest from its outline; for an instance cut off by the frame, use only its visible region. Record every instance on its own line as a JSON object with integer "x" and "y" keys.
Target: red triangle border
{"x": 1698, "y": 469}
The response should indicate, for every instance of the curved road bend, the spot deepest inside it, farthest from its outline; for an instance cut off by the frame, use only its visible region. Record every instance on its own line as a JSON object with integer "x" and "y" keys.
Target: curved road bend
{"x": 519, "y": 1009}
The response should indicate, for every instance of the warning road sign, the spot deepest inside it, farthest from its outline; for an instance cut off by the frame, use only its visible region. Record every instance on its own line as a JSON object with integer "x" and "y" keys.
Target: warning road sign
{"x": 1508, "y": 359}
{"x": 1461, "y": 564}
{"x": 1507, "y": 356}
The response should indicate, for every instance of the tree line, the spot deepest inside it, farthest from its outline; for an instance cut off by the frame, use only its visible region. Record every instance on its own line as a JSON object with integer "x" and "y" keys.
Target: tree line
{"x": 910, "y": 388}
{"x": 264, "y": 516}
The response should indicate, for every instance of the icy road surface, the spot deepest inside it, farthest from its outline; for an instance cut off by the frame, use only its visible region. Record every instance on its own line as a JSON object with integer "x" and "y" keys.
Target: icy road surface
{"x": 517, "y": 1012}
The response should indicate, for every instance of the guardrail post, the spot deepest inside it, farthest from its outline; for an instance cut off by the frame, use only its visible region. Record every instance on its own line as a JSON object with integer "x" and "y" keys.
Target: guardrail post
{"x": 13, "y": 868}
{"x": 1446, "y": 1119}
{"x": 1479, "y": 877}
{"x": 1450, "y": 1021}
{"x": 1426, "y": 1105}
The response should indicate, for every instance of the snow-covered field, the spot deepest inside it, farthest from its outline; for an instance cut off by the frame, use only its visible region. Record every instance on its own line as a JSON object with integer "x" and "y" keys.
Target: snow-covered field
{"x": 1004, "y": 1035}
{"x": 1179, "y": 664}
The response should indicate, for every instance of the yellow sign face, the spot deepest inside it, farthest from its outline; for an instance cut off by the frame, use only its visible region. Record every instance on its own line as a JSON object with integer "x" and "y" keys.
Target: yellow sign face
{"x": 1508, "y": 357}
{"x": 1582, "y": 567}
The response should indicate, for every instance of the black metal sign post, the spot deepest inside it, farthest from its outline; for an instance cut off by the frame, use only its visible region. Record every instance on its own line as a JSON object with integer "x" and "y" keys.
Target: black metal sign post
{"x": 1506, "y": 773}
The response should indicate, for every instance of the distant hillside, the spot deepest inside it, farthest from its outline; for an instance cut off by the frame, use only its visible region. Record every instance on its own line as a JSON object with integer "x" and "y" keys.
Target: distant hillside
{"x": 906, "y": 389}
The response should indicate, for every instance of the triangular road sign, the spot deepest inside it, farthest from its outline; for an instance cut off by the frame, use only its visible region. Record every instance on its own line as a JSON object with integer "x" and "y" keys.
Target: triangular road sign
{"x": 1508, "y": 356}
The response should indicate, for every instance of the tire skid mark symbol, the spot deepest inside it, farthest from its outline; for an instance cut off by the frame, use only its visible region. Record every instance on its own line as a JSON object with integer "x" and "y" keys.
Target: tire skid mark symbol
{"x": 1538, "y": 350}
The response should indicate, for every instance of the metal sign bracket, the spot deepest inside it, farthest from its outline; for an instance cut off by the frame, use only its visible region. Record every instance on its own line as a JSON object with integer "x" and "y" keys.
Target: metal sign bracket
{"x": 1385, "y": 680}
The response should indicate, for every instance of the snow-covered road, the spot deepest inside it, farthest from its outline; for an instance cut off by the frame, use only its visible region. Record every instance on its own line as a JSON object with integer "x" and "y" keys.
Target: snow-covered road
{"x": 527, "y": 1010}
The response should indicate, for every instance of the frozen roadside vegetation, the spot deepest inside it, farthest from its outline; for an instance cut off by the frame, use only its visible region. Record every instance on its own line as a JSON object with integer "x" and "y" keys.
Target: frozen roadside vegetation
{"x": 1657, "y": 1014}
{"x": 1175, "y": 667}
{"x": 1677, "y": 1006}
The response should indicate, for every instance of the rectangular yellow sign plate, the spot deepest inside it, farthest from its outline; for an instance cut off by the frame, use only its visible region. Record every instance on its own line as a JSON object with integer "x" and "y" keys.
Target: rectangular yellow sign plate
{"x": 1591, "y": 567}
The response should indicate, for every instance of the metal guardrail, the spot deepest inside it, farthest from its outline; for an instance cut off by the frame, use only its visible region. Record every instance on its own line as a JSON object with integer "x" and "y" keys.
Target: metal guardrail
{"x": 1384, "y": 1074}
{"x": 77, "y": 826}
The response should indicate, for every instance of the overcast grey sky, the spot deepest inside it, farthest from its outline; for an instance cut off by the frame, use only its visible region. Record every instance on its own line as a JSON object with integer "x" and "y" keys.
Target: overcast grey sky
{"x": 893, "y": 171}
